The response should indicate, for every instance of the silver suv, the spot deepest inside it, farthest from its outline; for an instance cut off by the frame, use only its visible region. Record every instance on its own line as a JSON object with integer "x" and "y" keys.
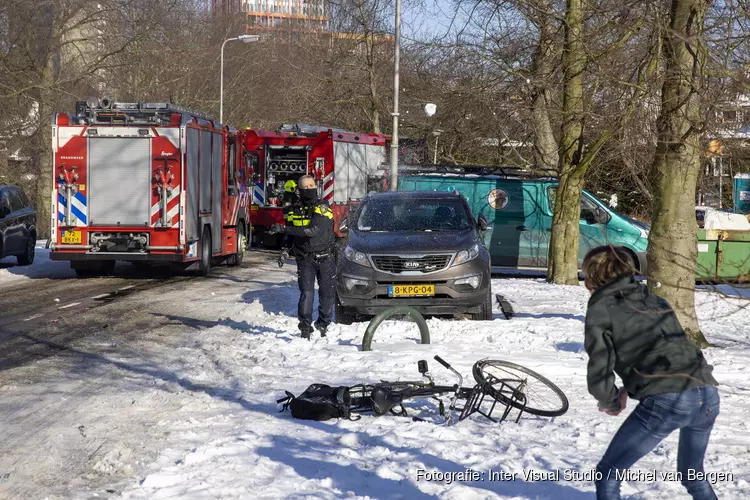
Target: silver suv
{"x": 417, "y": 248}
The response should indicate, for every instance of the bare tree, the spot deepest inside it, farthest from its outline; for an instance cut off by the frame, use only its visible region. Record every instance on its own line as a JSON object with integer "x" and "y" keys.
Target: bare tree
{"x": 672, "y": 242}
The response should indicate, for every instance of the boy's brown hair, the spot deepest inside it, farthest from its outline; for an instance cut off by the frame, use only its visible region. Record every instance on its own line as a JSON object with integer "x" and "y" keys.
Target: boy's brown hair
{"x": 606, "y": 263}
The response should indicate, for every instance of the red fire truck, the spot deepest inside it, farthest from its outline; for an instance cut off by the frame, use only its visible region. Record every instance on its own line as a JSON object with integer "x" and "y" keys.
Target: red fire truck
{"x": 146, "y": 182}
{"x": 341, "y": 162}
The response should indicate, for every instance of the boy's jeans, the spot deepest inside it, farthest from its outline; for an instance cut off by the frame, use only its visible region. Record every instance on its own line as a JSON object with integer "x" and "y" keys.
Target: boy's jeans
{"x": 692, "y": 411}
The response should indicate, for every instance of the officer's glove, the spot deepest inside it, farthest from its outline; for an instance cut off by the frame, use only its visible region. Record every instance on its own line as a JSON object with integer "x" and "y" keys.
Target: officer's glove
{"x": 277, "y": 229}
{"x": 283, "y": 258}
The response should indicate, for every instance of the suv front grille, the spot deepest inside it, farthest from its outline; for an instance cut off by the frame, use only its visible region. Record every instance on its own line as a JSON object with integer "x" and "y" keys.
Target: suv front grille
{"x": 397, "y": 265}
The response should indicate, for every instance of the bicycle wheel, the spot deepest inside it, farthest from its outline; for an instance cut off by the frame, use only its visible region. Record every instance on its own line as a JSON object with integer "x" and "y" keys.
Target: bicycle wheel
{"x": 519, "y": 387}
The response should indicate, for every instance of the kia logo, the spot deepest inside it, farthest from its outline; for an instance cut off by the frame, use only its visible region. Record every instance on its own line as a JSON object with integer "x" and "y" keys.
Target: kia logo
{"x": 411, "y": 265}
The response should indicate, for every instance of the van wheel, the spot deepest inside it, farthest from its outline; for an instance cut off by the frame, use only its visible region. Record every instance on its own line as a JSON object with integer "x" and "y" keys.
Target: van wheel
{"x": 205, "y": 262}
{"x": 27, "y": 258}
{"x": 485, "y": 312}
{"x": 344, "y": 315}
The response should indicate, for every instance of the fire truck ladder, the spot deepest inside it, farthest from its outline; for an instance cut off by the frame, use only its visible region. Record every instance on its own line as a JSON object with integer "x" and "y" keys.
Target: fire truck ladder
{"x": 107, "y": 112}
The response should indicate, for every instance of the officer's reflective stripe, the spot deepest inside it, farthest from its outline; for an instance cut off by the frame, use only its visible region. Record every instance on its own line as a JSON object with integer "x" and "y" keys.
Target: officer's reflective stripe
{"x": 324, "y": 211}
{"x": 302, "y": 222}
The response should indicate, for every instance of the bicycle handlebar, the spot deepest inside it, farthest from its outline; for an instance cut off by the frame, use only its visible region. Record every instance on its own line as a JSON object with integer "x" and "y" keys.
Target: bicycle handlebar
{"x": 442, "y": 362}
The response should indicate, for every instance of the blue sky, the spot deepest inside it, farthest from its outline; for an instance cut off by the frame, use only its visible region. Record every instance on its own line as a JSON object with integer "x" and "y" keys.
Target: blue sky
{"x": 431, "y": 18}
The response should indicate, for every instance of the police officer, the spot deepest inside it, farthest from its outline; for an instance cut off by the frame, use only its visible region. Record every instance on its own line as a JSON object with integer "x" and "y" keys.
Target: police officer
{"x": 313, "y": 240}
{"x": 290, "y": 202}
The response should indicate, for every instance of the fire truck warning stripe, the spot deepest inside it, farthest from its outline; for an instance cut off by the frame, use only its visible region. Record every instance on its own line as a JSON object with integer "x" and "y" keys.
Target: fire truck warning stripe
{"x": 171, "y": 207}
{"x": 258, "y": 194}
{"x": 78, "y": 208}
{"x": 175, "y": 196}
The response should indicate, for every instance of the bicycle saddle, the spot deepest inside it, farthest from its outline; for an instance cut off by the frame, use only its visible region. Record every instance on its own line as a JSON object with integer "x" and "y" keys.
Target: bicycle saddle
{"x": 383, "y": 400}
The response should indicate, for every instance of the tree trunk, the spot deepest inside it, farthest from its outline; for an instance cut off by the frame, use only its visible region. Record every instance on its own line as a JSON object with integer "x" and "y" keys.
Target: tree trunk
{"x": 672, "y": 242}
{"x": 372, "y": 84}
{"x": 545, "y": 146}
{"x": 563, "y": 258}
{"x": 48, "y": 62}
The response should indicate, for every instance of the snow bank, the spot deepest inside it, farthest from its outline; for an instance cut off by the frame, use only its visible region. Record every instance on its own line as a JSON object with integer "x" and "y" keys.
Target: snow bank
{"x": 42, "y": 267}
{"x": 716, "y": 219}
{"x": 248, "y": 449}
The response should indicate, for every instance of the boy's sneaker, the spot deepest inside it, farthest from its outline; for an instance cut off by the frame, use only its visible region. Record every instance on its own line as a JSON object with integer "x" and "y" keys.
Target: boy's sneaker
{"x": 305, "y": 334}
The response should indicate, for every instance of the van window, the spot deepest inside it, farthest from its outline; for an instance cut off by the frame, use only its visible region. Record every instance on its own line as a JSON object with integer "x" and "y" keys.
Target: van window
{"x": 587, "y": 204}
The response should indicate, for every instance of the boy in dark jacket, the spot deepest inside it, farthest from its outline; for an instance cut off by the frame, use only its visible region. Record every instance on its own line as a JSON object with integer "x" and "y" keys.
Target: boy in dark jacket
{"x": 636, "y": 334}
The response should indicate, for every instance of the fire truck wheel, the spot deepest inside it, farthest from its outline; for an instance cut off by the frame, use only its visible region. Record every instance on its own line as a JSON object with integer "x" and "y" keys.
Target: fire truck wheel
{"x": 205, "y": 263}
{"x": 238, "y": 257}
{"x": 108, "y": 267}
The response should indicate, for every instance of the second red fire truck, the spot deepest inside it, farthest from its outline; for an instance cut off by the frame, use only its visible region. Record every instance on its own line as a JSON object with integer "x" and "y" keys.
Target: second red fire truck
{"x": 343, "y": 163}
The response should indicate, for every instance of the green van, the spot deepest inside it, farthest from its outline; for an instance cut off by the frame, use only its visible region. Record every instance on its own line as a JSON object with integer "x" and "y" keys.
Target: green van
{"x": 519, "y": 212}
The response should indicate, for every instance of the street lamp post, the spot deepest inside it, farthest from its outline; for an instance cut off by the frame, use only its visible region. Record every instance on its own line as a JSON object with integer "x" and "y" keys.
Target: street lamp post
{"x": 429, "y": 110}
{"x": 394, "y": 137}
{"x": 244, "y": 39}
{"x": 436, "y": 133}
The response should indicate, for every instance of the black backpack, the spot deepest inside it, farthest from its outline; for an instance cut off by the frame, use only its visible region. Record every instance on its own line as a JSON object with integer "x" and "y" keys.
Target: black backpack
{"x": 319, "y": 402}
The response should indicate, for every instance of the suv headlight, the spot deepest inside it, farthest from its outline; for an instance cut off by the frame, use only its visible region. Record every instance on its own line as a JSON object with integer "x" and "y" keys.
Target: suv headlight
{"x": 466, "y": 255}
{"x": 644, "y": 232}
{"x": 356, "y": 257}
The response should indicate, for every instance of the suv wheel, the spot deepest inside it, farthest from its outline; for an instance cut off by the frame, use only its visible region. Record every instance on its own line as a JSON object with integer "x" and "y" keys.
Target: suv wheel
{"x": 485, "y": 312}
{"x": 27, "y": 258}
{"x": 344, "y": 315}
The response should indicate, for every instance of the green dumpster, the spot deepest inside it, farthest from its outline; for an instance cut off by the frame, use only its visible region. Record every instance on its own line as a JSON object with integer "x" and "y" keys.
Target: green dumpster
{"x": 723, "y": 255}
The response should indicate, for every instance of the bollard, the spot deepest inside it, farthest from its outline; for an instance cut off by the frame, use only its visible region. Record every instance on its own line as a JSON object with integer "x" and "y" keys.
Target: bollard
{"x": 424, "y": 331}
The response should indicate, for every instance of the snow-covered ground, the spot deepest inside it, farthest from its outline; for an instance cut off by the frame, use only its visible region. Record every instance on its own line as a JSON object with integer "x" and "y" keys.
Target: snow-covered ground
{"x": 188, "y": 409}
{"x": 42, "y": 267}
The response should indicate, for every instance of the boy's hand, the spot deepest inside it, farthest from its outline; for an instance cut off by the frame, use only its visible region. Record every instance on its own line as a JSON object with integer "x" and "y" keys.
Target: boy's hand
{"x": 622, "y": 398}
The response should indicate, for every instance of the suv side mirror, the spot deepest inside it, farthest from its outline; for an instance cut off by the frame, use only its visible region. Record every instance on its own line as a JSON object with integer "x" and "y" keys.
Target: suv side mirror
{"x": 344, "y": 225}
{"x": 482, "y": 223}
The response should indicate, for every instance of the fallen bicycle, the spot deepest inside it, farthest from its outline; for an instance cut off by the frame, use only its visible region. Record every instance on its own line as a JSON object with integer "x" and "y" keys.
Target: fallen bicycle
{"x": 500, "y": 385}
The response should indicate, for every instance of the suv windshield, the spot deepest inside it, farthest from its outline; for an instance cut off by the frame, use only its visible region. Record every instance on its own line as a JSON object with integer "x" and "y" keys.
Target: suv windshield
{"x": 413, "y": 214}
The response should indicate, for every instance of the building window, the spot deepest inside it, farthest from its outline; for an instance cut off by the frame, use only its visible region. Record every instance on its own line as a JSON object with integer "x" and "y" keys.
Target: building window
{"x": 729, "y": 115}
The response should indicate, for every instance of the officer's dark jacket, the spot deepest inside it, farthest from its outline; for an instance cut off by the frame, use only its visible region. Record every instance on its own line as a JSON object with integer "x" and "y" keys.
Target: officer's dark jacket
{"x": 636, "y": 334}
{"x": 311, "y": 228}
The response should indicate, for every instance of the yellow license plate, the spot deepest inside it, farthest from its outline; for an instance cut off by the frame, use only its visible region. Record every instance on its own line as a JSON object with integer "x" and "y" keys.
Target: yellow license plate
{"x": 254, "y": 207}
{"x": 71, "y": 237}
{"x": 411, "y": 290}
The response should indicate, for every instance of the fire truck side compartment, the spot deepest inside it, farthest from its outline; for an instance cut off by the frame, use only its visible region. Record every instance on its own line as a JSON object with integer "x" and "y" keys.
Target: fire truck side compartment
{"x": 193, "y": 231}
{"x": 119, "y": 181}
{"x": 205, "y": 174}
{"x": 217, "y": 223}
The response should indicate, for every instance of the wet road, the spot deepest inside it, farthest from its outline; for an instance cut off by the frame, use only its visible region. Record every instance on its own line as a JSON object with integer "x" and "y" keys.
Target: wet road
{"x": 38, "y": 317}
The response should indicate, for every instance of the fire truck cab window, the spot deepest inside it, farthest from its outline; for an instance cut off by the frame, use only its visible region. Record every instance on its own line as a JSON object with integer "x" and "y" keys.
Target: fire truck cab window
{"x": 251, "y": 167}
{"x": 231, "y": 164}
